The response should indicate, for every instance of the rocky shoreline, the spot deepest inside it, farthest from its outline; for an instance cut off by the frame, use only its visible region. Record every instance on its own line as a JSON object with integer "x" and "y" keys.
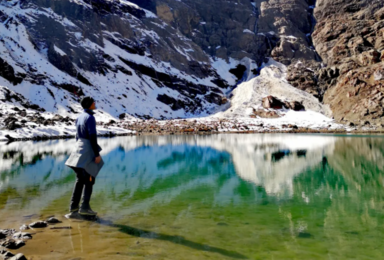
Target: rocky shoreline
{"x": 22, "y": 125}
{"x": 204, "y": 129}
{"x": 10, "y": 239}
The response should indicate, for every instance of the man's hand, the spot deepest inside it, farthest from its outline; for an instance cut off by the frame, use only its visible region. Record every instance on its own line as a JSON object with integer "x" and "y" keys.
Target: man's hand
{"x": 98, "y": 159}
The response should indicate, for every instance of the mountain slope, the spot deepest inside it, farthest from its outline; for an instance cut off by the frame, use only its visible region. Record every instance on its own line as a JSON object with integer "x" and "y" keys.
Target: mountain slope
{"x": 125, "y": 57}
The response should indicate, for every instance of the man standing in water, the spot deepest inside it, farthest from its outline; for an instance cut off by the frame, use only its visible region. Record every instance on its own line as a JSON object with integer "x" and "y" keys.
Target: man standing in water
{"x": 85, "y": 160}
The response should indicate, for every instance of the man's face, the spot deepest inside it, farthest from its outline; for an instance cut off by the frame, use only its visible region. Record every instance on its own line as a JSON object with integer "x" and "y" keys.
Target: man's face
{"x": 93, "y": 106}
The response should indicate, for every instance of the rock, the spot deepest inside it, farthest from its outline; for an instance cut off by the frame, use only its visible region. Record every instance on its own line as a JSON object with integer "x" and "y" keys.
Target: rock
{"x": 9, "y": 120}
{"x": 13, "y": 126}
{"x": 272, "y": 102}
{"x": 38, "y": 224}
{"x": 6, "y": 232}
{"x": 22, "y": 235}
{"x": 57, "y": 118}
{"x": 293, "y": 126}
{"x": 302, "y": 75}
{"x": 53, "y": 220}
{"x": 295, "y": 105}
{"x": 19, "y": 256}
{"x": 265, "y": 114}
{"x": 10, "y": 138}
{"x": 24, "y": 227}
{"x": 4, "y": 254}
{"x": 111, "y": 122}
{"x": 122, "y": 116}
{"x": 23, "y": 113}
{"x": 12, "y": 244}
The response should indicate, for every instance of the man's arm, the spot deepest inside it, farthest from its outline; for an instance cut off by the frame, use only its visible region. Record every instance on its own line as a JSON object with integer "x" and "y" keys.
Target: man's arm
{"x": 91, "y": 125}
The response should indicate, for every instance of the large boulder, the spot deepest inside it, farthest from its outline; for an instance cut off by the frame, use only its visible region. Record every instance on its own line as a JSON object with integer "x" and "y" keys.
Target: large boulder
{"x": 272, "y": 102}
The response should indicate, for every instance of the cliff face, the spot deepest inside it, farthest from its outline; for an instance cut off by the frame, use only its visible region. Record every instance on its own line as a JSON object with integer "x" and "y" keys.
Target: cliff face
{"x": 349, "y": 37}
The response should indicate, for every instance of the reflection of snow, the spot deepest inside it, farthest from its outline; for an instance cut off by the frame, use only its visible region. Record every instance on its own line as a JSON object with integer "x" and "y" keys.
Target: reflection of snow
{"x": 268, "y": 160}
{"x": 138, "y": 164}
{"x": 252, "y": 157}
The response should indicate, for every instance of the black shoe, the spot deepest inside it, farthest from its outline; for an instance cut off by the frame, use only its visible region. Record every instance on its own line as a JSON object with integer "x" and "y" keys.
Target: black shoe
{"x": 87, "y": 212}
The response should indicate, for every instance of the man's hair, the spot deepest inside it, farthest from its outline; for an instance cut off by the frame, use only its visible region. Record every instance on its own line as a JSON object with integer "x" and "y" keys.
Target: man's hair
{"x": 87, "y": 102}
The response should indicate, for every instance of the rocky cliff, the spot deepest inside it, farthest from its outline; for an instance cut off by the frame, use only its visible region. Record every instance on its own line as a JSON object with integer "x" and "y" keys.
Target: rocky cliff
{"x": 349, "y": 37}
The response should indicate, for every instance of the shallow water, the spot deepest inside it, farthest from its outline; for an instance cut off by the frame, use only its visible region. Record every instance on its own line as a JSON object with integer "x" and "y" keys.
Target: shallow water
{"x": 204, "y": 197}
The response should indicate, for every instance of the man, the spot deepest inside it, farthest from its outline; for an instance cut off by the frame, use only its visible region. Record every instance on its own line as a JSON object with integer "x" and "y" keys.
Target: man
{"x": 85, "y": 160}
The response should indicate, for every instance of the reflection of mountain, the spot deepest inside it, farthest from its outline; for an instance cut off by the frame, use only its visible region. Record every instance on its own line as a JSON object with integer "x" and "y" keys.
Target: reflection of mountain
{"x": 271, "y": 161}
{"x": 332, "y": 187}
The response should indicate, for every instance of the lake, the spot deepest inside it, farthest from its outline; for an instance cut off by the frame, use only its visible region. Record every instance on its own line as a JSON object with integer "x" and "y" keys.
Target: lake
{"x": 228, "y": 196}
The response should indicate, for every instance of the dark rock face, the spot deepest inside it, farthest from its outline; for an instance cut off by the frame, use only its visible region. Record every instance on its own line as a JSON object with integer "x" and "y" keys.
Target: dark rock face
{"x": 286, "y": 25}
{"x": 302, "y": 75}
{"x": 216, "y": 26}
{"x": 7, "y": 72}
{"x": 349, "y": 37}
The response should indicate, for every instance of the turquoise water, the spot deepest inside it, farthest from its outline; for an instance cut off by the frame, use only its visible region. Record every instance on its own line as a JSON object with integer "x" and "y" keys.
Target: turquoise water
{"x": 259, "y": 196}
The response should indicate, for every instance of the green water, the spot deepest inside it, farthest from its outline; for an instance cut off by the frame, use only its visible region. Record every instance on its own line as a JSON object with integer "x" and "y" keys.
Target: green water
{"x": 205, "y": 197}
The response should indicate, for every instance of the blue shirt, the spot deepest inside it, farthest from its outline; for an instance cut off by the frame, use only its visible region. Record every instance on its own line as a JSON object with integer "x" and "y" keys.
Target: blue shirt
{"x": 86, "y": 124}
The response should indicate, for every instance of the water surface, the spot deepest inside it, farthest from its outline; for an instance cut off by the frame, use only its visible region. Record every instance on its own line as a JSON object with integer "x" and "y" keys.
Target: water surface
{"x": 258, "y": 196}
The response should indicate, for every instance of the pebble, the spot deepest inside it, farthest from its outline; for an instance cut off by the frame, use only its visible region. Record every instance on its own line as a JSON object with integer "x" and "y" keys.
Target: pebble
{"x": 4, "y": 254}
{"x": 24, "y": 227}
{"x": 22, "y": 235}
{"x": 12, "y": 244}
{"x": 38, "y": 224}
{"x": 19, "y": 256}
{"x": 53, "y": 220}
{"x": 6, "y": 232}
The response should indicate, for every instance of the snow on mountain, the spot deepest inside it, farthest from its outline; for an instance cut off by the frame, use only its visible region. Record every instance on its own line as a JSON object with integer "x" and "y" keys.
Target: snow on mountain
{"x": 134, "y": 63}
{"x": 122, "y": 79}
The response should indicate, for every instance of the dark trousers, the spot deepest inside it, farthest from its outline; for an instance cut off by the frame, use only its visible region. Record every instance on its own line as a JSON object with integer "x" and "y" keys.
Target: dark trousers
{"x": 84, "y": 182}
